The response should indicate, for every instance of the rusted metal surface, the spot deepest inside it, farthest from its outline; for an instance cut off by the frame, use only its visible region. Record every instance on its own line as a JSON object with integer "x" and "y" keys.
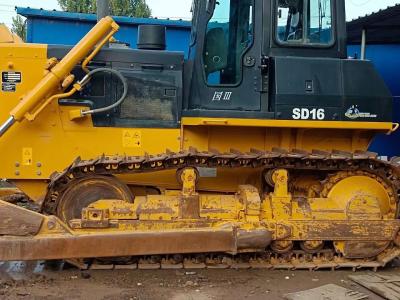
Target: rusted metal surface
{"x": 296, "y": 260}
{"x": 282, "y": 247}
{"x": 250, "y": 198}
{"x": 397, "y": 240}
{"x": 90, "y": 224}
{"x": 158, "y": 207}
{"x": 364, "y": 249}
{"x": 11, "y": 194}
{"x": 312, "y": 247}
{"x": 17, "y": 221}
{"x": 347, "y": 230}
{"x": 253, "y": 239}
{"x": 188, "y": 178}
{"x": 189, "y": 207}
{"x": 111, "y": 244}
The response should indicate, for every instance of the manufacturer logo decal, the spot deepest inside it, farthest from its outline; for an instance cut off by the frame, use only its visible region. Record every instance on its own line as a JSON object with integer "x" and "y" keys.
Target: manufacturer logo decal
{"x": 354, "y": 113}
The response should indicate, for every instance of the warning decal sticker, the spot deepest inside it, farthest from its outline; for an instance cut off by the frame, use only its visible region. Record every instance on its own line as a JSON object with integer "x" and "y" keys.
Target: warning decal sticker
{"x": 131, "y": 138}
{"x": 11, "y": 77}
{"x": 27, "y": 154}
{"x": 9, "y": 81}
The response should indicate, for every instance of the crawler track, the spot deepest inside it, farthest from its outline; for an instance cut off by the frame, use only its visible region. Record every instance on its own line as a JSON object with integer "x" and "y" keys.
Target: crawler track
{"x": 328, "y": 162}
{"x": 299, "y": 160}
{"x": 295, "y": 260}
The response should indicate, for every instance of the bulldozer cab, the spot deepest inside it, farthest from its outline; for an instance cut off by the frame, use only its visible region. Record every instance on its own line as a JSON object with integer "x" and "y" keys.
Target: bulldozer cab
{"x": 235, "y": 42}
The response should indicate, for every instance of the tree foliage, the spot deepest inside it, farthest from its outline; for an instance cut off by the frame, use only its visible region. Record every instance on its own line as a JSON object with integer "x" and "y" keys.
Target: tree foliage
{"x": 134, "y": 8}
{"x": 19, "y": 27}
{"x": 82, "y": 6}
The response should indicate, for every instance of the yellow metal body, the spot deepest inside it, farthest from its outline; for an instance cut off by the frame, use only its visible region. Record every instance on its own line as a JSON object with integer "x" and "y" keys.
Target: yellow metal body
{"x": 31, "y": 152}
{"x": 6, "y": 36}
{"x": 188, "y": 177}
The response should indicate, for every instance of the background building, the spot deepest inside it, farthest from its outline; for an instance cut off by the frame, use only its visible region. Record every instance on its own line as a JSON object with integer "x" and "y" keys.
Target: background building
{"x": 382, "y": 36}
{"x": 57, "y": 27}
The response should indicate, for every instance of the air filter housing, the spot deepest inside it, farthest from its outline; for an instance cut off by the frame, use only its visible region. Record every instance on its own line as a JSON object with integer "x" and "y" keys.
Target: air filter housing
{"x": 151, "y": 37}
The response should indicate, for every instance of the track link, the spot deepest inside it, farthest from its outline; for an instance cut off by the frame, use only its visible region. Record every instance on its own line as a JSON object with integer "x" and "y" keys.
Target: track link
{"x": 296, "y": 260}
{"x": 329, "y": 162}
{"x": 334, "y": 161}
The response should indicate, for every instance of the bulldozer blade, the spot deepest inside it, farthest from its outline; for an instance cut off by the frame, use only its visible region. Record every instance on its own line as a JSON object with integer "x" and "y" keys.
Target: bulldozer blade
{"x": 26, "y": 235}
{"x": 115, "y": 244}
{"x": 17, "y": 221}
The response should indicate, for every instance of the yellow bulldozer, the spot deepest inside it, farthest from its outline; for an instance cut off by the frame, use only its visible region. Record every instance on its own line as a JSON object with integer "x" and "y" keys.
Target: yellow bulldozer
{"x": 250, "y": 152}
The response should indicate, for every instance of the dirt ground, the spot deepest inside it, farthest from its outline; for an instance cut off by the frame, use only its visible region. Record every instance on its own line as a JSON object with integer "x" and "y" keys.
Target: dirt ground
{"x": 31, "y": 281}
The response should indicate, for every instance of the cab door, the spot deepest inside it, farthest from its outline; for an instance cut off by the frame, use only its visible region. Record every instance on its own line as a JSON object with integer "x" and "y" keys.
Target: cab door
{"x": 227, "y": 69}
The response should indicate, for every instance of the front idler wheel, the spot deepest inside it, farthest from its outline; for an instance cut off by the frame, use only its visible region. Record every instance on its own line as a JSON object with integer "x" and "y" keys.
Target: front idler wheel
{"x": 82, "y": 192}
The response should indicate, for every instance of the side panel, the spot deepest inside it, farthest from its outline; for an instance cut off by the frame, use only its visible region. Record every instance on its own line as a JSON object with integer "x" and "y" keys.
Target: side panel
{"x": 154, "y": 87}
{"x": 329, "y": 90}
{"x": 302, "y": 85}
{"x": 385, "y": 59}
{"x": 365, "y": 90}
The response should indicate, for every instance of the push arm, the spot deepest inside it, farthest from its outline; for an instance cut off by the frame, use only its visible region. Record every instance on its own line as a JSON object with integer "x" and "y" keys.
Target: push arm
{"x": 58, "y": 77}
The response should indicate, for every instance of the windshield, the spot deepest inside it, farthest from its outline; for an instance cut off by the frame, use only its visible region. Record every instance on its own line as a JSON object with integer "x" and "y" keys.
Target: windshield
{"x": 305, "y": 22}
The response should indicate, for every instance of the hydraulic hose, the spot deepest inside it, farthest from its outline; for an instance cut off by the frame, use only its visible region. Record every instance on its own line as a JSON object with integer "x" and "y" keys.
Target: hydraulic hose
{"x": 85, "y": 80}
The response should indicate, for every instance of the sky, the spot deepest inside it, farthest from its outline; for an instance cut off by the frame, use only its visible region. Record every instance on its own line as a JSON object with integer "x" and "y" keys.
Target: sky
{"x": 181, "y": 8}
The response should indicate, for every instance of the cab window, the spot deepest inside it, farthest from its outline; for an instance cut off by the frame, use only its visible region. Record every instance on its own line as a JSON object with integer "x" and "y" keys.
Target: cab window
{"x": 228, "y": 36}
{"x": 305, "y": 22}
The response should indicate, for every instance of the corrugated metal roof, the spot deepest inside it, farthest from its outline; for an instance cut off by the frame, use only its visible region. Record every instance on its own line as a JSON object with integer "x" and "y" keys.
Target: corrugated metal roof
{"x": 62, "y": 15}
{"x": 382, "y": 26}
